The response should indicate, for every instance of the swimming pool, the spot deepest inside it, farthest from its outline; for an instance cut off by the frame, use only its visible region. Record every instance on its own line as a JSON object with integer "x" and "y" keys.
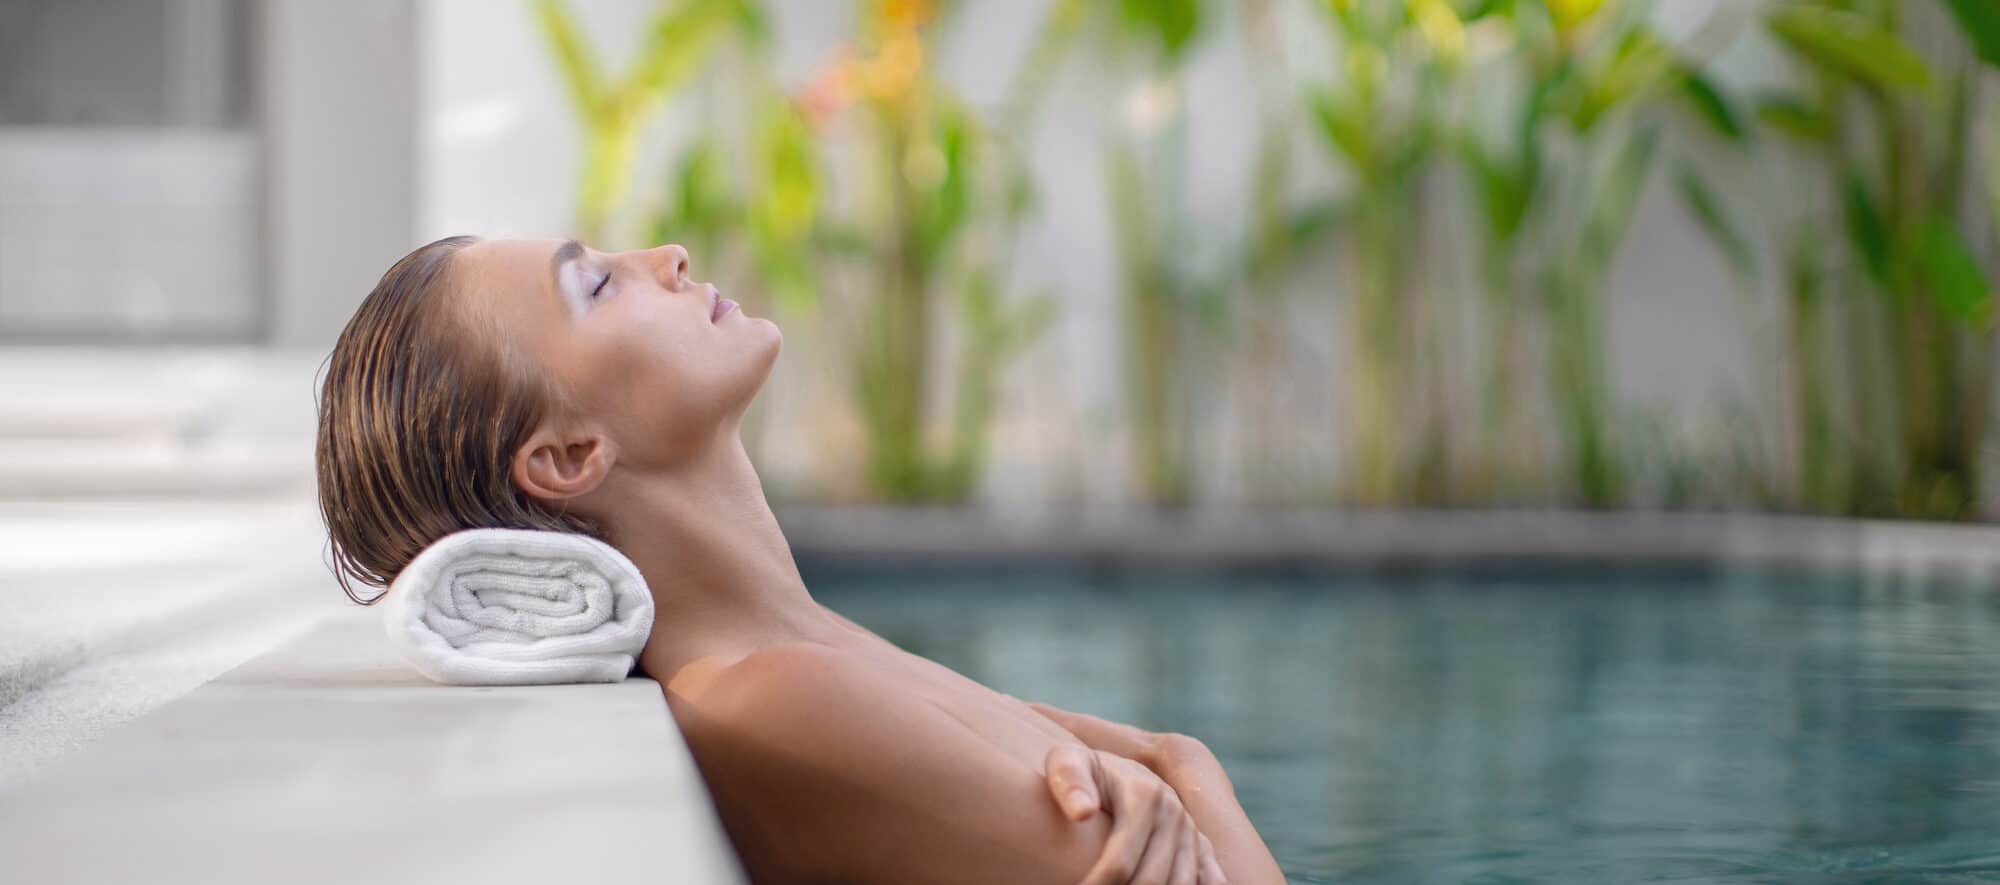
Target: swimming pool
{"x": 1517, "y": 726}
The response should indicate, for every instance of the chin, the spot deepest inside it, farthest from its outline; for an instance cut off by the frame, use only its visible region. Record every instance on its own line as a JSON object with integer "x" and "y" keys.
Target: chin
{"x": 769, "y": 342}
{"x": 773, "y": 337}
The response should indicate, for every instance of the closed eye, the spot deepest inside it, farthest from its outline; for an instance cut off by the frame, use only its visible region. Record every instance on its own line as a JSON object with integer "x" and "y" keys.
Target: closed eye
{"x": 600, "y": 286}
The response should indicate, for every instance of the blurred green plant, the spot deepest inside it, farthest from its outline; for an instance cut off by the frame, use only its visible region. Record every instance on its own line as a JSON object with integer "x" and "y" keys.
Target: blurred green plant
{"x": 928, "y": 233}
{"x": 1556, "y": 208}
{"x": 748, "y": 190}
{"x": 947, "y": 201}
{"x": 1556, "y": 114}
{"x": 614, "y": 110}
{"x": 1280, "y": 228}
{"x": 1883, "y": 274}
{"x": 1381, "y": 118}
{"x": 1161, "y": 291}
{"x": 1145, "y": 45}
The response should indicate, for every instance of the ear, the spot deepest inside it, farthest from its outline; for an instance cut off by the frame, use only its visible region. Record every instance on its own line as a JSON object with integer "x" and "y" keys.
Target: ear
{"x": 554, "y": 464}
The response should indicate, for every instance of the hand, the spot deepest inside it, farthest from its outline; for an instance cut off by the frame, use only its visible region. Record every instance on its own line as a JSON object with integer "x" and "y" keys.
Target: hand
{"x": 1153, "y": 840}
{"x": 1151, "y": 749}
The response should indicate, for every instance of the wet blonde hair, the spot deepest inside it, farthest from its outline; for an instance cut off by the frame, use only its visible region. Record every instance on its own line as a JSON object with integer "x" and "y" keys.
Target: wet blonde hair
{"x": 420, "y": 414}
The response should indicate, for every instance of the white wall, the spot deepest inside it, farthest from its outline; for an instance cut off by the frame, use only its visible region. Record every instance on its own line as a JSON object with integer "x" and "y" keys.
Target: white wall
{"x": 339, "y": 101}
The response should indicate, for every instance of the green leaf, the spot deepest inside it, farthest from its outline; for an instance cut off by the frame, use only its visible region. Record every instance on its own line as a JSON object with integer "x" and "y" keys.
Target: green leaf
{"x": 1131, "y": 214}
{"x": 1617, "y": 198}
{"x": 1712, "y": 106}
{"x": 1955, "y": 278}
{"x": 784, "y": 204}
{"x": 1340, "y": 121}
{"x": 1980, "y": 20}
{"x": 1208, "y": 304}
{"x": 786, "y": 198}
{"x": 1172, "y": 23}
{"x": 753, "y": 25}
{"x": 1640, "y": 63}
{"x": 1795, "y": 118}
{"x": 1850, "y": 42}
{"x": 703, "y": 210}
{"x": 944, "y": 206}
{"x": 1715, "y": 221}
{"x": 573, "y": 59}
{"x": 679, "y": 42}
{"x": 1503, "y": 195}
{"x": 1993, "y": 176}
{"x": 1866, "y": 227}
{"x": 1310, "y": 223}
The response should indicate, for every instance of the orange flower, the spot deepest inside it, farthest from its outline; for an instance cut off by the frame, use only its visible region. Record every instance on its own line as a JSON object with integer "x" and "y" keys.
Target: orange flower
{"x": 828, "y": 92}
{"x": 904, "y": 13}
{"x": 894, "y": 69}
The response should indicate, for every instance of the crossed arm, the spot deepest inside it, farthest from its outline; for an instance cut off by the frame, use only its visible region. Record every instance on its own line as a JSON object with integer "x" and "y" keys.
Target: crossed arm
{"x": 1197, "y": 779}
{"x": 916, "y": 795}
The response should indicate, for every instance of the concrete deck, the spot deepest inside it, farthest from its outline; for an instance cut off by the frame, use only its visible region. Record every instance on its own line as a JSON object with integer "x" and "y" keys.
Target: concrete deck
{"x": 330, "y": 760}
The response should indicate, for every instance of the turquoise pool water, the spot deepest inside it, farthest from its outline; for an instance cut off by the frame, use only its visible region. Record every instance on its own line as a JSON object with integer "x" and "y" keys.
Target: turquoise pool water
{"x": 1519, "y": 727}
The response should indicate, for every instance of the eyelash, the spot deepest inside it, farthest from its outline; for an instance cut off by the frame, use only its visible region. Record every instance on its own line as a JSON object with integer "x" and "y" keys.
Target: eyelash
{"x": 600, "y": 287}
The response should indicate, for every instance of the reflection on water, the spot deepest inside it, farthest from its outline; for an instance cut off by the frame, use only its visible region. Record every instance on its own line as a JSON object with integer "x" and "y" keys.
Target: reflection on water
{"x": 1515, "y": 728}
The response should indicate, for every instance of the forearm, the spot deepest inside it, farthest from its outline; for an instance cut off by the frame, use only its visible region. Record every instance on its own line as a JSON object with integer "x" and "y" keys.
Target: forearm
{"x": 1210, "y": 799}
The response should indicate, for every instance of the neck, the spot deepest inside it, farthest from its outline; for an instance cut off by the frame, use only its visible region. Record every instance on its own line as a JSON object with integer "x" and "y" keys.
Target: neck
{"x": 722, "y": 576}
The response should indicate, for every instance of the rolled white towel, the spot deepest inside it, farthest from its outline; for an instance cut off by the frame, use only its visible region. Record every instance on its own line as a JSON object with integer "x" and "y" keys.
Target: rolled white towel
{"x": 519, "y": 607}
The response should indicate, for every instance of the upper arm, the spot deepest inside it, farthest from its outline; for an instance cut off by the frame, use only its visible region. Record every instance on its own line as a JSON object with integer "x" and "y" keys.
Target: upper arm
{"x": 843, "y": 777}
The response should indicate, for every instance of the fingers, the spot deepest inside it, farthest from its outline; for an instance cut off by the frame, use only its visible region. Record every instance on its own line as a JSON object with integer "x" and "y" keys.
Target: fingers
{"x": 1153, "y": 839}
{"x": 1157, "y": 864}
{"x": 1187, "y": 857}
{"x": 1121, "y": 852}
{"x": 1211, "y": 869}
{"x": 1134, "y": 804}
{"x": 1072, "y": 781}
{"x": 1100, "y": 734}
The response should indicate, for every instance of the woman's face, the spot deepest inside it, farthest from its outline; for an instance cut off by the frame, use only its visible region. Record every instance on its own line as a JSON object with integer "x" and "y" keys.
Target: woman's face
{"x": 654, "y": 359}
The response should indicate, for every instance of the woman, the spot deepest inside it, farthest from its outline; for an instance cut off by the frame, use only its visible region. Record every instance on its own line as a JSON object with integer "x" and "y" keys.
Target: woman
{"x": 543, "y": 384}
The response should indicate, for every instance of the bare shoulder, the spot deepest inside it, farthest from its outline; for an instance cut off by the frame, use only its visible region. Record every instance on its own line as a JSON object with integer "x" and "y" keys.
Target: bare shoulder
{"x": 826, "y": 766}
{"x": 778, "y": 686}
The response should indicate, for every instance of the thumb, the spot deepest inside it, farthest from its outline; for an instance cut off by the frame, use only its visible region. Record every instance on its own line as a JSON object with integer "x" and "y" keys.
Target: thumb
{"x": 1072, "y": 778}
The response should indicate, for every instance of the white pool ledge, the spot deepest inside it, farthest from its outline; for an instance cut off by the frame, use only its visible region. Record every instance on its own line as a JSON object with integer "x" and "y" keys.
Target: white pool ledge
{"x": 330, "y": 760}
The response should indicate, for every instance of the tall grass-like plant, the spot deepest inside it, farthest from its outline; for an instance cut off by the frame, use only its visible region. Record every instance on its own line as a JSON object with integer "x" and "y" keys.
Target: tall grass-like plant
{"x": 1160, "y": 289}
{"x": 1379, "y": 118}
{"x": 749, "y": 188}
{"x": 1280, "y": 227}
{"x": 614, "y": 110}
{"x": 1557, "y": 195}
{"x": 1144, "y": 46}
{"x": 945, "y": 203}
{"x": 1885, "y": 293}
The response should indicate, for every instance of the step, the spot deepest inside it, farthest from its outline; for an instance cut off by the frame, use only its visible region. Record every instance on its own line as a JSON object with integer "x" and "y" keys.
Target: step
{"x": 69, "y": 710}
{"x": 84, "y": 423}
{"x": 100, "y": 470}
{"x": 81, "y": 584}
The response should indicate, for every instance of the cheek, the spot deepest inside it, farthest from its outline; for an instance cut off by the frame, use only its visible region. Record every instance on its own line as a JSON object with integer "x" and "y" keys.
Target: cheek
{"x": 666, "y": 378}
{"x": 672, "y": 376}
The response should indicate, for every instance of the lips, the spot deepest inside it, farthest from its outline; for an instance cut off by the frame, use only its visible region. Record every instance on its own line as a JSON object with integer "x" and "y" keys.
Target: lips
{"x": 718, "y": 305}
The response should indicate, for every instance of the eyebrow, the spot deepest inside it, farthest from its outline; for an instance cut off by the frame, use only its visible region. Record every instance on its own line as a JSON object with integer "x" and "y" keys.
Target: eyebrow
{"x": 570, "y": 250}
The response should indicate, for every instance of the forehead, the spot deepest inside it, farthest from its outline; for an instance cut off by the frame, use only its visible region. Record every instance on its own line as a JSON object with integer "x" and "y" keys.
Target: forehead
{"x": 508, "y": 277}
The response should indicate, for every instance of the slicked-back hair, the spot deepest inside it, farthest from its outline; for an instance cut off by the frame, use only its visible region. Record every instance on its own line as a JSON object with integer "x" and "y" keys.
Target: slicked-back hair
{"x": 420, "y": 413}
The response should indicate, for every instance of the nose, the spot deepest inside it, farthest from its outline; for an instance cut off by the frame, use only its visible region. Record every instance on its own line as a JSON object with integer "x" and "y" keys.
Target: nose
{"x": 671, "y": 262}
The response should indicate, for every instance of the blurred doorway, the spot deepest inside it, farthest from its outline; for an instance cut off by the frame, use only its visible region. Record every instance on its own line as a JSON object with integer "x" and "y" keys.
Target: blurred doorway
{"x": 131, "y": 184}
